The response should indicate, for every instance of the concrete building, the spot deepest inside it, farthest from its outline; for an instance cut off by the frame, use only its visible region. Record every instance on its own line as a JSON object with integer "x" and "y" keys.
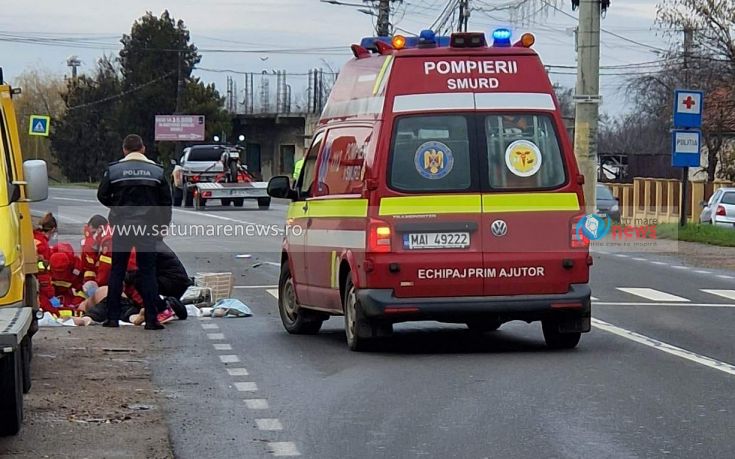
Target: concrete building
{"x": 274, "y": 141}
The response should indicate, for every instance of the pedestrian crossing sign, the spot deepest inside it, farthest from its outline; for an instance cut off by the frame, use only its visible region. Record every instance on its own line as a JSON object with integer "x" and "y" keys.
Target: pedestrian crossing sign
{"x": 39, "y": 125}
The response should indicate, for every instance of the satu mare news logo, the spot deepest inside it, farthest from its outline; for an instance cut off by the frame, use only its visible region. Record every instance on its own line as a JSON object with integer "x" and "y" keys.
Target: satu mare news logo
{"x": 594, "y": 227}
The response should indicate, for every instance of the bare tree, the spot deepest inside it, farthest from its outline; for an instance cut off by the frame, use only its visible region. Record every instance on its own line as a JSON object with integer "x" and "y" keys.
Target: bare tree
{"x": 41, "y": 95}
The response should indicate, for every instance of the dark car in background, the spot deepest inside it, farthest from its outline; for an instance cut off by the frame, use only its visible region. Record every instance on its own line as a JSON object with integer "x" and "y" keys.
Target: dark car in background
{"x": 606, "y": 203}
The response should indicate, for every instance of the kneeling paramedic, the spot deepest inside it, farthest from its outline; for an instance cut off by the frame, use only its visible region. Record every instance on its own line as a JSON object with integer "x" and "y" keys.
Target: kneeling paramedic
{"x": 139, "y": 198}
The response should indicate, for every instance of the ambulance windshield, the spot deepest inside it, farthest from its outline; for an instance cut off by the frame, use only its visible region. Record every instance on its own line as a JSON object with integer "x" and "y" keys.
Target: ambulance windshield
{"x": 439, "y": 153}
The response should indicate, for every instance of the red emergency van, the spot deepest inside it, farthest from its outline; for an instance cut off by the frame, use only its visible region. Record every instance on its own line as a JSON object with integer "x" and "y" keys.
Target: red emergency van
{"x": 440, "y": 185}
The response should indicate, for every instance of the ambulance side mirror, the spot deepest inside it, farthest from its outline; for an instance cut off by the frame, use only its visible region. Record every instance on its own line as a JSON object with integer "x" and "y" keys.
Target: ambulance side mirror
{"x": 280, "y": 187}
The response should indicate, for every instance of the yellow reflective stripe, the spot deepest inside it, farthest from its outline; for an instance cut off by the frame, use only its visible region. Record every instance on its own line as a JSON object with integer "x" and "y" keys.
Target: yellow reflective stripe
{"x": 89, "y": 274}
{"x": 41, "y": 266}
{"x": 381, "y": 75}
{"x": 529, "y": 202}
{"x": 80, "y": 294}
{"x": 90, "y": 260}
{"x": 61, "y": 284}
{"x": 105, "y": 259}
{"x": 296, "y": 210}
{"x": 431, "y": 204}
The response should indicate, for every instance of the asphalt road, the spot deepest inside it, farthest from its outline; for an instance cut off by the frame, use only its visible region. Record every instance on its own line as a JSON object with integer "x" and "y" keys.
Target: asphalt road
{"x": 653, "y": 378}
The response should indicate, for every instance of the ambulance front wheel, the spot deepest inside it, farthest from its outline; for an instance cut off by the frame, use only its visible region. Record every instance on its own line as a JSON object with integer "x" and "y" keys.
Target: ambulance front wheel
{"x": 238, "y": 202}
{"x": 296, "y": 320}
{"x": 556, "y": 339}
{"x": 189, "y": 197}
{"x": 264, "y": 203}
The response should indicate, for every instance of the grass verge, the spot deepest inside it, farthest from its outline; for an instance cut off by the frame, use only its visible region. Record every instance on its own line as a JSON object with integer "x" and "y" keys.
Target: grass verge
{"x": 704, "y": 234}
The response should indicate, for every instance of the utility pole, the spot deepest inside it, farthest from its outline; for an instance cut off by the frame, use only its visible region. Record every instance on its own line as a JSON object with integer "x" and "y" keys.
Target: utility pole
{"x": 587, "y": 97}
{"x": 383, "y": 25}
{"x": 688, "y": 39}
{"x": 464, "y": 15}
{"x": 179, "y": 99}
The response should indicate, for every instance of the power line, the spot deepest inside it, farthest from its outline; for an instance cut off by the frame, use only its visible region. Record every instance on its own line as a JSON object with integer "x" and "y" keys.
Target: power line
{"x": 123, "y": 93}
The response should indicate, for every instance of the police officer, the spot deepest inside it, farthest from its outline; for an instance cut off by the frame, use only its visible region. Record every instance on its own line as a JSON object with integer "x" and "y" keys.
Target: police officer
{"x": 139, "y": 198}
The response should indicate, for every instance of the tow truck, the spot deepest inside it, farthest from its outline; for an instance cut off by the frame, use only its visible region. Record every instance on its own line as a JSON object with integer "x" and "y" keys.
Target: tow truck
{"x": 24, "y": 182}
{"x": 216, "y": 172}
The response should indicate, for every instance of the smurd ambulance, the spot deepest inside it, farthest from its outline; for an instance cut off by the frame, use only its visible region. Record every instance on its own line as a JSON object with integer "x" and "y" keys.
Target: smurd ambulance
{"x": 440, "y": 185}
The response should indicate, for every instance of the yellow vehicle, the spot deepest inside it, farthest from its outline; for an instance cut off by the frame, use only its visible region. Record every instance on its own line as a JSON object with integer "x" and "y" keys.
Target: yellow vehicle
{"x": 20, "y": 183}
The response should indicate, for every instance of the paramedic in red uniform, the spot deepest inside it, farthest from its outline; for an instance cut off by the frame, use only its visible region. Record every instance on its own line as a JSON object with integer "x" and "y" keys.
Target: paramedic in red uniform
{"x": 45, "y": 231}
{"x": 66, "y": 277}
{"x": 137, "y": 193}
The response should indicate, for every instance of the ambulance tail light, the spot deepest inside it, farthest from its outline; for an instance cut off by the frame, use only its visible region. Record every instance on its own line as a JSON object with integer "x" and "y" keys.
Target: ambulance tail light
{"x": 469, "y": 40}
{"x": 379, "y": 237}
{"x": 501, "y": 37}
{"x": 527, "y": 40}
{"x": 577, "y": 239}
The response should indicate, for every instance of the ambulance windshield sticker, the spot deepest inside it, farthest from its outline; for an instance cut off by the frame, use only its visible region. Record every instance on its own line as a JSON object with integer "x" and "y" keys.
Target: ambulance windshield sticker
{"x": 523, "y": 158}
{"x": 434, "y": 160}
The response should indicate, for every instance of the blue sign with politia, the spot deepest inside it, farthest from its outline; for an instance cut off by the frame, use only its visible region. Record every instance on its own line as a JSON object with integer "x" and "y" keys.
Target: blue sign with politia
{"x": 686, "y": 147}
{"x": 688, "y": 108}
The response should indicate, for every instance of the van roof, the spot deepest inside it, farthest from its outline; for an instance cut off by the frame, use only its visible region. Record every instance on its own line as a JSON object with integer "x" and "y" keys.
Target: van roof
{"x": 368, "y": 83}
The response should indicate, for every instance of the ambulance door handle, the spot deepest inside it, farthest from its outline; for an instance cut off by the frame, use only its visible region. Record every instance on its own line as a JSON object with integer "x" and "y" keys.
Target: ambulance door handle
{"x": 309, "y": 221}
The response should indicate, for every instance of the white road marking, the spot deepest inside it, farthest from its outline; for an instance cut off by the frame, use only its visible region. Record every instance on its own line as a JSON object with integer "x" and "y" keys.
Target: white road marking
{"x": 237, "y": 371}
{"x": 701, "y": 271}
{"x": 229, "y": 358}
{"x": 652, "y": 294}
{"x": 680, "y": 267}
{"x": 205, "y": 318}
{"x": 246, "y": 386}
{"x": 254, "y": 286}
{"x": 222, "y": 347}
{"x": 725, "y": 276}
{"x": 640, "y": 259}
{"x": 594, "y": 298}
{"x": 217, "y": 217}
{"x": 215, "y": 336}
{"x": 651, "y": 303}
{"x": 658, "y": 263}
{"x": 57, "y": 198}
{"x": 621, "y": 255}
{"x": 268, "y": 424}
{"x": 283, "y": 448}
{"x": 256, "y": 403}
{"x": 665, "y": 347}
{"x": 729, "y": 294}
{"x": 278, "y": 265}
{"x": 273, "y": 292}
{"x": 210, "y": 326}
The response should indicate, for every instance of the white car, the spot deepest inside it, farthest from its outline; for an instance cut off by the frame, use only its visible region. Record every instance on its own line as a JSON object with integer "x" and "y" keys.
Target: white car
{"x": 720, "y": 209}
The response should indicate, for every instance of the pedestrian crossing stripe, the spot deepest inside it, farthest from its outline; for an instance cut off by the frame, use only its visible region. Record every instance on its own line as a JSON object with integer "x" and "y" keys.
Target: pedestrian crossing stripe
{"x": 729, "y": 294}
{"x": 653, "y": 294}
{"x": 273, "y": 292}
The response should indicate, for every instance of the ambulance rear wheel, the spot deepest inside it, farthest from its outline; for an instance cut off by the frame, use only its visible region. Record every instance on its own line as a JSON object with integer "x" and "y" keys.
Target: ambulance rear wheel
{"x": 226, "y": 202}
{"x": 264, "y": 203}
{"x": 557, "y": 340}
{"x": 239, "y": 202}
{"x": 296, "y": 320}
{"x": 362, "y": 333}
{"x": 11, "y": 393}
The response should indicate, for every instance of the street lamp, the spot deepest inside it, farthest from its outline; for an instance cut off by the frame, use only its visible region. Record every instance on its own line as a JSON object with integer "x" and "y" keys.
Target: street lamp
{"x": 241, "y": 138}
{"x": 216, "y": 138}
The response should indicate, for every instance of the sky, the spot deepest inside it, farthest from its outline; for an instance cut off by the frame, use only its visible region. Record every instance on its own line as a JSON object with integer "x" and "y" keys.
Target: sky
{"x": 630, "y": 36}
